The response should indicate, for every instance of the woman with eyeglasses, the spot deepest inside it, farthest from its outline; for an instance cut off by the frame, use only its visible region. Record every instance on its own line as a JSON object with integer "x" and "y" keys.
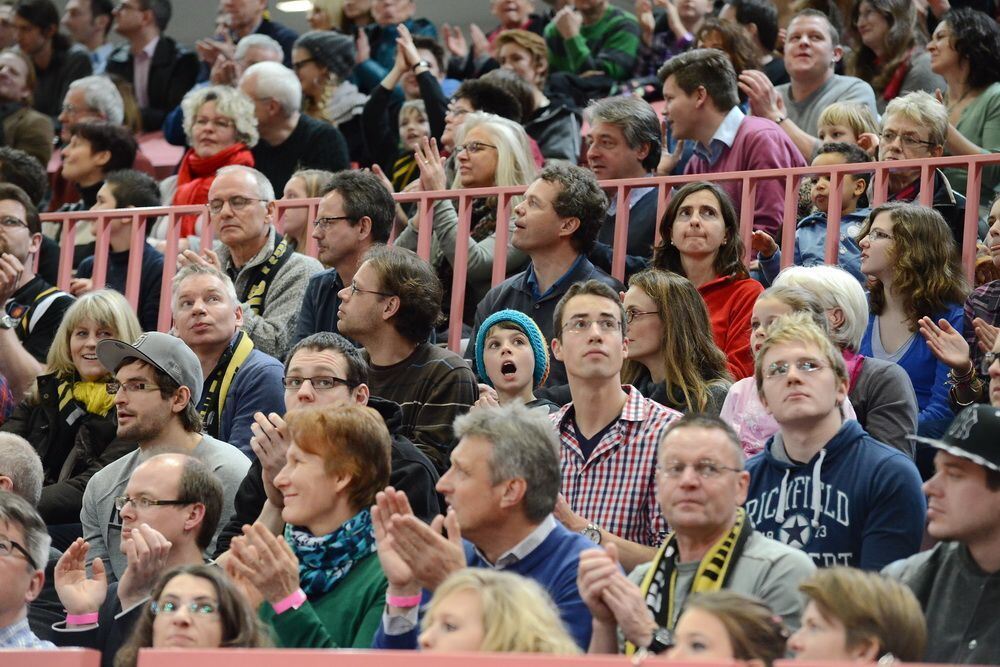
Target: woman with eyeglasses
{"x": 68, "y": 415}
{"x": 856, "y": 616}
{"x": 970, "y": 356}
{"x": 700, "y": 239}
{"x": 672, "y": 358}
{"x": 320, "y": 576}
{"x": 912, "y": 264}
{"x": 194, "y": 607}
{"x": 221, "y": 128}
{"x": 323, "y": 61}
{"x": 490, "y": 151}
{"x": 965, "y": 51}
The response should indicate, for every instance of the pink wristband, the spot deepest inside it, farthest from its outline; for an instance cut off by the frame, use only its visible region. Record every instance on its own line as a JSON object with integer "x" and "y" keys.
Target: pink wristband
{"x": 81, "y": 619}
{"x": 293, "y": 601}
{"x": 403, "y": 602}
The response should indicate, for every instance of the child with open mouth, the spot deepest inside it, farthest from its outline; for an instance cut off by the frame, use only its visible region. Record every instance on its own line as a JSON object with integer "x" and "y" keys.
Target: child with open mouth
{"x": 512, "y": 359}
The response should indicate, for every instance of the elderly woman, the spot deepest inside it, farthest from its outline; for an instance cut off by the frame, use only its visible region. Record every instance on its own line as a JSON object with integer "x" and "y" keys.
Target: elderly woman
{"x": 68, "y": 415}
{"x": 891, "y": 57}
{"x": 304, "y": 184}
{"x": 700, "y": 239}
{"x": 323, "y": 61}
{"x": 321, "y": 581}
{"x": 490, "y": 151}
{"x": 202, "y": 602}
{"x": 965, "y": 50}
{"x": 553, "y": 122}
{"x": 221, "y": 129}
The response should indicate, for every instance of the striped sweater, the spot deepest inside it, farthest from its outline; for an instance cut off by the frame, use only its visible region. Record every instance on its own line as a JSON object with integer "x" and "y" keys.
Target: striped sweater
{"x": 610, "y": 45}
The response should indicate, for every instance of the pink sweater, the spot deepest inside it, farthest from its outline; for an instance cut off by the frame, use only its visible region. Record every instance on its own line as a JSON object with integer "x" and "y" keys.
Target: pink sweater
{"x": 759, "y": 144}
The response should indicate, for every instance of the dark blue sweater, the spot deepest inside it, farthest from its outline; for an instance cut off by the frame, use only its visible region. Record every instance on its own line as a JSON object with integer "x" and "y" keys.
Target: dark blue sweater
{"x": 149, "y": 282}
{"x": 867, "y": 511}
{"x": 553, "y": 564}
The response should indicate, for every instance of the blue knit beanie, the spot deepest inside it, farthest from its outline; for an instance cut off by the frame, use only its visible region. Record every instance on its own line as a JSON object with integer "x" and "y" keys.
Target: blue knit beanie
{"x": 538, "y": 343}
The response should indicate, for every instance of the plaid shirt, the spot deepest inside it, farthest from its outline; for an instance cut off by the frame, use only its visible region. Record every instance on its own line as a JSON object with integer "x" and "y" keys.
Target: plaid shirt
{"x": 19, "y": 635}
{"x": 616, "y": 487}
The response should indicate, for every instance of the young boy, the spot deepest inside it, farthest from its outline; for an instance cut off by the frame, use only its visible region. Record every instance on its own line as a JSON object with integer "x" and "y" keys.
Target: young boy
{"x": 810, "y": 233}
{"x": 126, "y": 189}
{"x": 512, "y": 358}
{"x": 849, "y": 123}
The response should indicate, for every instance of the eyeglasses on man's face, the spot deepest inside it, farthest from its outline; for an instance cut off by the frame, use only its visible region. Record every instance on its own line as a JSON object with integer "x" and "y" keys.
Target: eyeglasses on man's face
{"x": 130, "y": 387}
{"x": 781, "y": 368}
{"x": 327, "y": 221}
{"x": 355, "y": 289}
{"x": 236, "y": 203}
{"x": 9, "y": 546}
{"x": 706, "y": 468}
{"x": 319, "y": 382}
{"x": 142, "y": 503}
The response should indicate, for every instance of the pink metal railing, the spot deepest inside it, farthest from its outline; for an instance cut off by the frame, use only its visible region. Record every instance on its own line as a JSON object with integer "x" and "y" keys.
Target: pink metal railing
{"x": 465, "y": 198}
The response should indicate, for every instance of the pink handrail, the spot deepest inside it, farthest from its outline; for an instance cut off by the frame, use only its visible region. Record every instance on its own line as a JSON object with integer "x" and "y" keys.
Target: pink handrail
{"x": 505, "y": 200}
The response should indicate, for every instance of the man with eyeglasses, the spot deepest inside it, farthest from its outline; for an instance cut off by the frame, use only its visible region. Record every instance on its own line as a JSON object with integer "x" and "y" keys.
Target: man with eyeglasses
{"x": 355, "y": 214}
{"x": 161, "y": 70}
{"x": 240, "y": 380}
{"x": 325, "y": 370}
{"x": 391, "y": 307}
{"x": 609, "y": 432}
{"x": 33, "y": 309}
{"x": 958, "y": 581}
{"x": 700, "y": 484}
{"x": 24, "y": 549}
{"x": 170, "y": 510}
{"x": 916, "y": 126}
{"x": 269, "y": 276}
{"x": 157, "y": 386}
{"x": 822, "y": 484}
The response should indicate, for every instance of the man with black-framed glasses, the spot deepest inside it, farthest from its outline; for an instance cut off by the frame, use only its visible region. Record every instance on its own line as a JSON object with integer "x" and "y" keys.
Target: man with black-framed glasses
{"x": 325, "y": 370}
{"x": 355, "y": 214}
{"x": 157, "y": 387}
{"x": 24, "y": 549}
{"x": 170, "y": 511}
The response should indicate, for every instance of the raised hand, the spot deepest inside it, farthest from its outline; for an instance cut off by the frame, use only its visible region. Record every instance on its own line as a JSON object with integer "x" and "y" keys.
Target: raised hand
{"x": 432, "y": 176}
{"x": 454, "y": 41}
{"x": 79, "y": 593}
{"x": 270, "y": 443}
{"x": 391, "y": 503}
{"x": 362, "y": 48}
{"x": 945, "y": 343}
{"x": 266, "y": 561}
{"x": 986, "y": 334}
{"x": 596, "y": 567}
{"x": 430, "y": 555}
{"x": 480, "y": 44}
{"x": 147, "y": 551}
{"x": 763, "y": 244}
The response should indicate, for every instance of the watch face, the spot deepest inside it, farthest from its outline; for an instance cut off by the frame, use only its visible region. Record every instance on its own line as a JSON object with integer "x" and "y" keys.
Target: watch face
{"x": 7, "y": 322}
{"x": 662, "y": 640}
{"x": 592, "y": 534}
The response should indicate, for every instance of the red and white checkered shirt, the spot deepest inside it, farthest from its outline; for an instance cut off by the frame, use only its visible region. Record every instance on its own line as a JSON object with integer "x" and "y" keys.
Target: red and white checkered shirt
{"x": 616, "y": 487}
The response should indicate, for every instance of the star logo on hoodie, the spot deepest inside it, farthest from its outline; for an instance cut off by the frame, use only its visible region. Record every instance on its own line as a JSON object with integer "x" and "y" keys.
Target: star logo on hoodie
{"x": 795, "y": 531}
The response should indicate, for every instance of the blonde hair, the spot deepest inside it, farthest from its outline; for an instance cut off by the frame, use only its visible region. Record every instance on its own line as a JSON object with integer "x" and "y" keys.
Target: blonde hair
{"x": 858, "y": 117}
{"x": 921, "y": 108}
{"x": 333, "y": 9}
{"x": 871, "y": 607}
{"x": 228, "y": 102}
{"x": 317, "y": 181}
{"x": 800, "y": 301}
{"x": 518, "y": 615}
{"x": 515, "y": 163}
{"x": 107, "y": 308}
{"x": 799, "y": 328}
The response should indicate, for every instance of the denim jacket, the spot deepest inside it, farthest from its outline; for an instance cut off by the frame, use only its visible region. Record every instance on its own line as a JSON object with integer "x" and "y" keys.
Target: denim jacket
{"x": 810, "y": 238}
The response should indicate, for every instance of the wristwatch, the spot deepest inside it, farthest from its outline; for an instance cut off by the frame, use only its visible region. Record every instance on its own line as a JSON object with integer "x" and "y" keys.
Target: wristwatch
{"x": 422, "y": 63}
{"x": 592, "y": 532}
{"x": 8, "y": 322}
{"x": 662, "y": 640}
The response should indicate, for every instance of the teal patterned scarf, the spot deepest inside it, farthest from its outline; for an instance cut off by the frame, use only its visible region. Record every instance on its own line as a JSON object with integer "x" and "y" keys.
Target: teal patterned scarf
{"x": 326, "y": 559}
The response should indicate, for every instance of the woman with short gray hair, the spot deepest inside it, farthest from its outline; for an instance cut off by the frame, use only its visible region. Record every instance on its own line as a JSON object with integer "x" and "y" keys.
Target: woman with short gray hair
{"x": 221, "y": 128}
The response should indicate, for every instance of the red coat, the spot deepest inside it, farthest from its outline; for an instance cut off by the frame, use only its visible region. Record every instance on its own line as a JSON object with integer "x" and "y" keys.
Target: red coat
{"x": 196, "y": 175}
{"x": 730, "y": 303}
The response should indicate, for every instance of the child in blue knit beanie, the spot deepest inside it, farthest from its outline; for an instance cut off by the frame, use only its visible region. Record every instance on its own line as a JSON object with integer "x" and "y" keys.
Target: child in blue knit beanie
{"x": 512, "y": 357}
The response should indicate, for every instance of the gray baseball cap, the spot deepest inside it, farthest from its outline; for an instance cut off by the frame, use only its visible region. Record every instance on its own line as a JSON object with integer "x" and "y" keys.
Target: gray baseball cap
{"x": 167, "y": 353}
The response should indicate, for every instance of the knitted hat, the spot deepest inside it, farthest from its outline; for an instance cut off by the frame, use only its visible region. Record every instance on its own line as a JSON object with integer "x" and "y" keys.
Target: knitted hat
{"x": 330, "y": 49}
{"x": 527, "y": 325}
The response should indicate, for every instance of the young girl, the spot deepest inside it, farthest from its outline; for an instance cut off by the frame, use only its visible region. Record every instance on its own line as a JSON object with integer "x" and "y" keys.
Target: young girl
{"x": 512, "y": 357}
{"x": 743, "y": 409}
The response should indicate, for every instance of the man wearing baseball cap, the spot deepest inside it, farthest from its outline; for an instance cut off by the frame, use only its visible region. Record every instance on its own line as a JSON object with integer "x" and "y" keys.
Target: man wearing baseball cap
{"x": 157, "y": 385}
{"x": 958, "y": 581}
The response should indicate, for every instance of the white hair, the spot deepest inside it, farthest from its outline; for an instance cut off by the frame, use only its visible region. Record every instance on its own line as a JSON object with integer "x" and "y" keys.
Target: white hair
{"x": 833, "y": 287}
{"x": 259, "y": 41}
{"x": 101, "y": 95}
{"x": 278, "y": 82}
{"x": 228, "y": 102}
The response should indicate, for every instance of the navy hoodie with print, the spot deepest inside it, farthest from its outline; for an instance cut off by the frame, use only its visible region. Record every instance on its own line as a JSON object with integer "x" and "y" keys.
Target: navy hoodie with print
{"x": 858, "y": 502}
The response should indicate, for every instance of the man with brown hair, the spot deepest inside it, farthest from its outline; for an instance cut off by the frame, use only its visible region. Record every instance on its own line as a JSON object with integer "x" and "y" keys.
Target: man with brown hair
{"x": 390, "y": 308}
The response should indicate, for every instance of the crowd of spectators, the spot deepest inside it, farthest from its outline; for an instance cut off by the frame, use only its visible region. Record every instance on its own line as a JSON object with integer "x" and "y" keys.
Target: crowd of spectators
{"x": 650, "y": 437}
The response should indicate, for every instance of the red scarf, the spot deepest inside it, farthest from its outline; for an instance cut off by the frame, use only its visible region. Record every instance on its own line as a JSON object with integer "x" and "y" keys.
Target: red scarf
{"x": 196, "y": 174}
{"x": 892, "y": 88}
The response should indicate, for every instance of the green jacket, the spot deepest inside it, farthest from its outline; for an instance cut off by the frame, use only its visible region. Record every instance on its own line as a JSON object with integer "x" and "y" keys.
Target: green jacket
{"x": 346, "y": 617}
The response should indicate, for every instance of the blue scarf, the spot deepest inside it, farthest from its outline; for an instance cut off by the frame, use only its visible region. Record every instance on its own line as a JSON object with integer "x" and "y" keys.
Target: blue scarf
{"x": 326, "y": 559}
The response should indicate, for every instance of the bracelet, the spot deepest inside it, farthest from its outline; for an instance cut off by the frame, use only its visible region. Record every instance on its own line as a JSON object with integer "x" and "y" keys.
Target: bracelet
{"x": 293, "y": 601}
{"x": 81, "y": 619}
{"x": 965, "y": 378}
{"x": 403, "y": 602}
